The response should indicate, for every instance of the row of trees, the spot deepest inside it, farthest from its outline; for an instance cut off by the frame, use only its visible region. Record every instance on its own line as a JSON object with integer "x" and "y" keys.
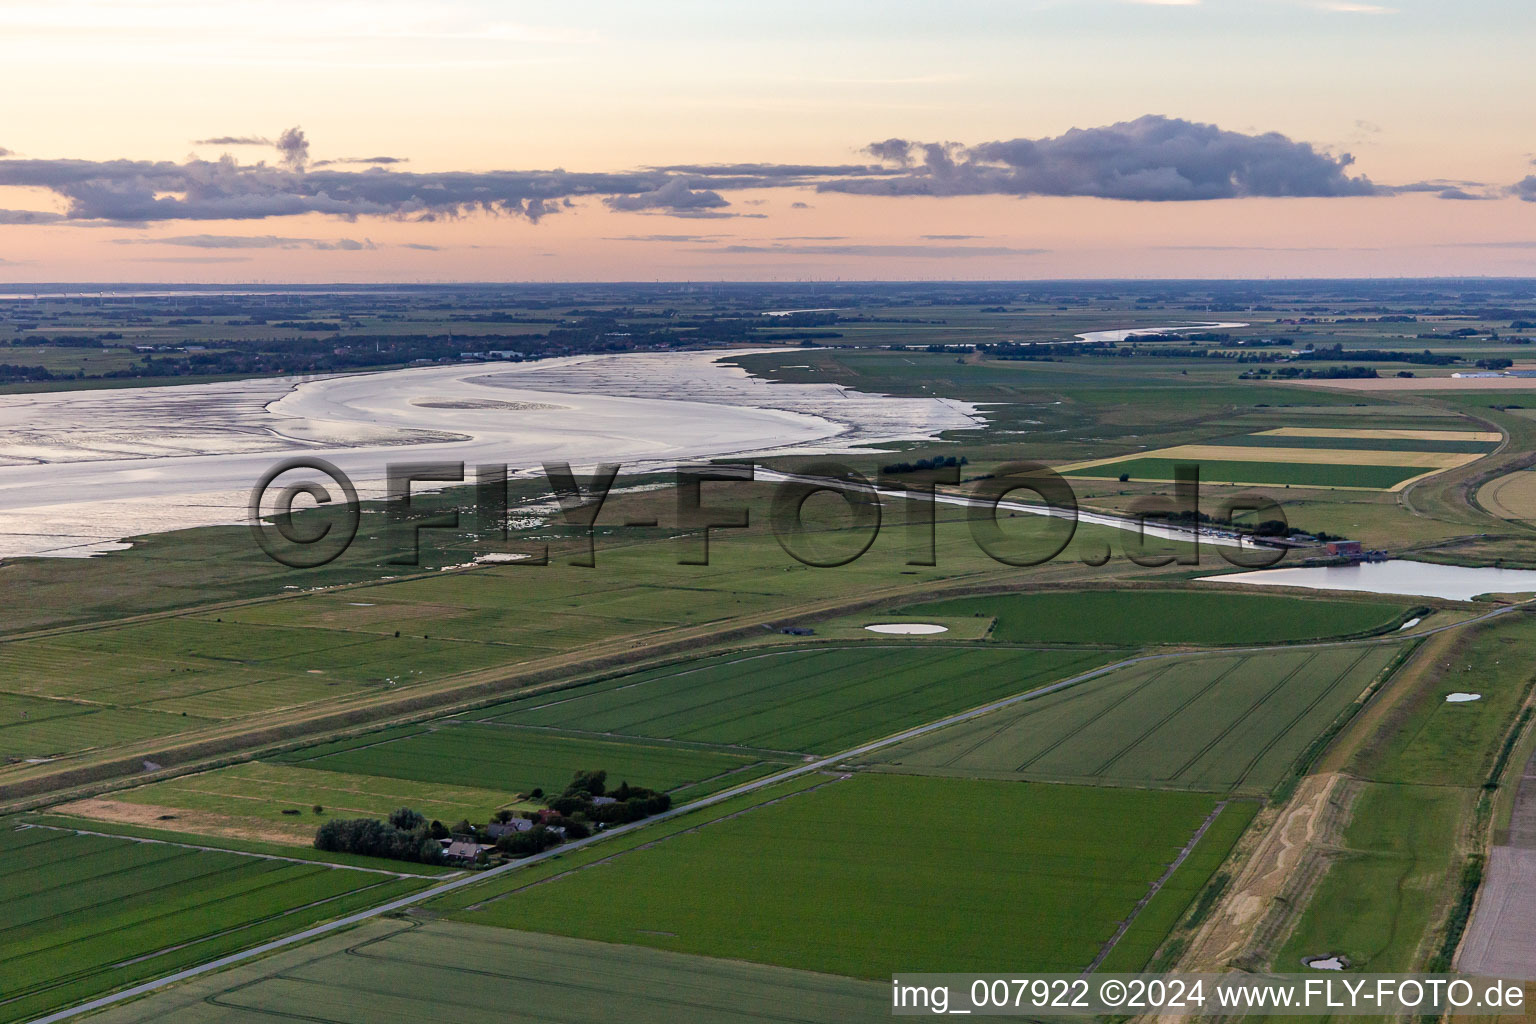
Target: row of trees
{"x": 405, "y": 836}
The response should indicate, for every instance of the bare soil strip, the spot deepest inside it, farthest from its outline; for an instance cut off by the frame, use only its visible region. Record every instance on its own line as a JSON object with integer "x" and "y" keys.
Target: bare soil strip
{"x": 1301, "y": 828}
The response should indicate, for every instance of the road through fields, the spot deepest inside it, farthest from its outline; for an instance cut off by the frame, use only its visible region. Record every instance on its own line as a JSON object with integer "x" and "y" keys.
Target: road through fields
{"x": 709, "y": 801}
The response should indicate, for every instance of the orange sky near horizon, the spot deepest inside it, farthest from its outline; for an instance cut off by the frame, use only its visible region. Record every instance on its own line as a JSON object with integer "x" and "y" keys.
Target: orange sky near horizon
{"x": 1414, "y": 90}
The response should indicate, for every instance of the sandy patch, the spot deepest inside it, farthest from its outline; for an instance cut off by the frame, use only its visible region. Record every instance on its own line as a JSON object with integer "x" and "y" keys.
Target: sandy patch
{"x": 1235, "y": 924}
{"x": 1385, "y": 435}
{"x": 908, "y": 628}
{"x": 177, "y": 819}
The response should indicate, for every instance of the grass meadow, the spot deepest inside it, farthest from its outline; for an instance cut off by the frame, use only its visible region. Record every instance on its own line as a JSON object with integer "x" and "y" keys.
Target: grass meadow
{"x": 1134, "y": 618}
{"x": 510, "y": 760}
{"x": 1388, "y": 880}
{"x": 806, "y": 700}
{"x": 1220, "y": 723}
{"x": 414, "y": 971}
{"x": 88, "y": 914}
{"x": 877, "y": 874}
{"x": 261, "y": 799}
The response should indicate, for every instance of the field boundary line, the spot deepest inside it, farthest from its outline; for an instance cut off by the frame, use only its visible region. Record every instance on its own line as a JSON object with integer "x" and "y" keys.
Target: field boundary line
{"x": 1157, "y": 886}
{"x": 624, "y": 737}
{"x": 235, "y": 853}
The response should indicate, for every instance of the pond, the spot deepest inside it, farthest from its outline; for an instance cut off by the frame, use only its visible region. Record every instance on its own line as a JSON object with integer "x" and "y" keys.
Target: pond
{"x": 1397, "y": 576}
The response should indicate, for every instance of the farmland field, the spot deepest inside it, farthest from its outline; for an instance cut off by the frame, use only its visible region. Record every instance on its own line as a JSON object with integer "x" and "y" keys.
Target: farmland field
{"x": 1252, "y": 472}
{"x": 1376, "y": 902}
{"x": 200, "y": 671}
{"x": 1136, "y": 617}
{"x": 87, "y": 914}
{"x": 1340, "y": 457}
{"x": 251, "y": 799}
{"x": 1435, "y": 743}
{"x": 1210, "y": 722}
{"x": 512, "y": 760}
{"x": 1135, "y": 949}
{"x": 857, "y": 878}
{"x": 809, "y": 699}
{"x": 415, "y": 971}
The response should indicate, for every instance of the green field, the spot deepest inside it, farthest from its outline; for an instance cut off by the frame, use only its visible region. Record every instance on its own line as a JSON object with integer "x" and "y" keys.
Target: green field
{"x": 1136, "y": 947}
{"x": 819, "y": 700}
{"x": 511, "y": 760}
{"x": 1430, "y": 742}
{"x": 388, "y": 970}
{"x": 878, "y": 874}
{"x": 30, "y": 727}
{"x": 254, "y": 797}
{"x": 199, "y": 671}
{"x": 1139, "y": 617}
{"x": 88, "y": 914}
{"x": 1362, "y": 444}
{"x": 1419, "y": 793}
{"x": 1299, "y": 474}
{"x": 1211, "y": 722}
{"x": 1388, "y": 883}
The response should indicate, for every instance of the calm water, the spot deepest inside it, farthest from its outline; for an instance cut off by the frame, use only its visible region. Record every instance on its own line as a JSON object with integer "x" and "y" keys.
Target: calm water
{"x": 1398, "y": 576}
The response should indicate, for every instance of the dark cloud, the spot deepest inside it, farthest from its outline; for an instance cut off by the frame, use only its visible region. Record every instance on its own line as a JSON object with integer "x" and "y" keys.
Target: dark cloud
{"x": 764, "y": 175}
{"x": 1150, "y": 159}
{"x": 905, "y": 251}
{"x": 704, "y": 214}
{"x": 949, "y": 238}
{"x": 422, "y": 246}
{"x": 4, "y": 151}
{"x": 663, "y": 238}
{"x": 1526, "y": 189}
{"x": 293, "y": 144}
{"x": 674, "y": 195}
{"x": 252, "y": 242}
{"x": 234, "y": 140}
{"x": 377, "y": 160}
{"x": 30, "y": 217}
{"x": 895, "y": 151}
{"x": 139, "y": 191}
{"x": 797, "y": 205}
{"x": 1446, "y": 189}
{"x": 1459, "y": 193}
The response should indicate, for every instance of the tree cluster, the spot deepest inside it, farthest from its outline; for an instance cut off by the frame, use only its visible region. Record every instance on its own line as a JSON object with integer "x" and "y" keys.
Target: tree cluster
{"x": 405, "y": 836}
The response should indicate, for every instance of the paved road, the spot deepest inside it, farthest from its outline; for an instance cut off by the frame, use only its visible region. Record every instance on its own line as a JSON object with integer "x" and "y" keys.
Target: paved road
{"x": 709, "y": 801}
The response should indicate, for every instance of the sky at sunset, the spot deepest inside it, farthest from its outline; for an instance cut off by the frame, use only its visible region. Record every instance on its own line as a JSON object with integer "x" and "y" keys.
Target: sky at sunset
{"x": 383, "y": 141}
